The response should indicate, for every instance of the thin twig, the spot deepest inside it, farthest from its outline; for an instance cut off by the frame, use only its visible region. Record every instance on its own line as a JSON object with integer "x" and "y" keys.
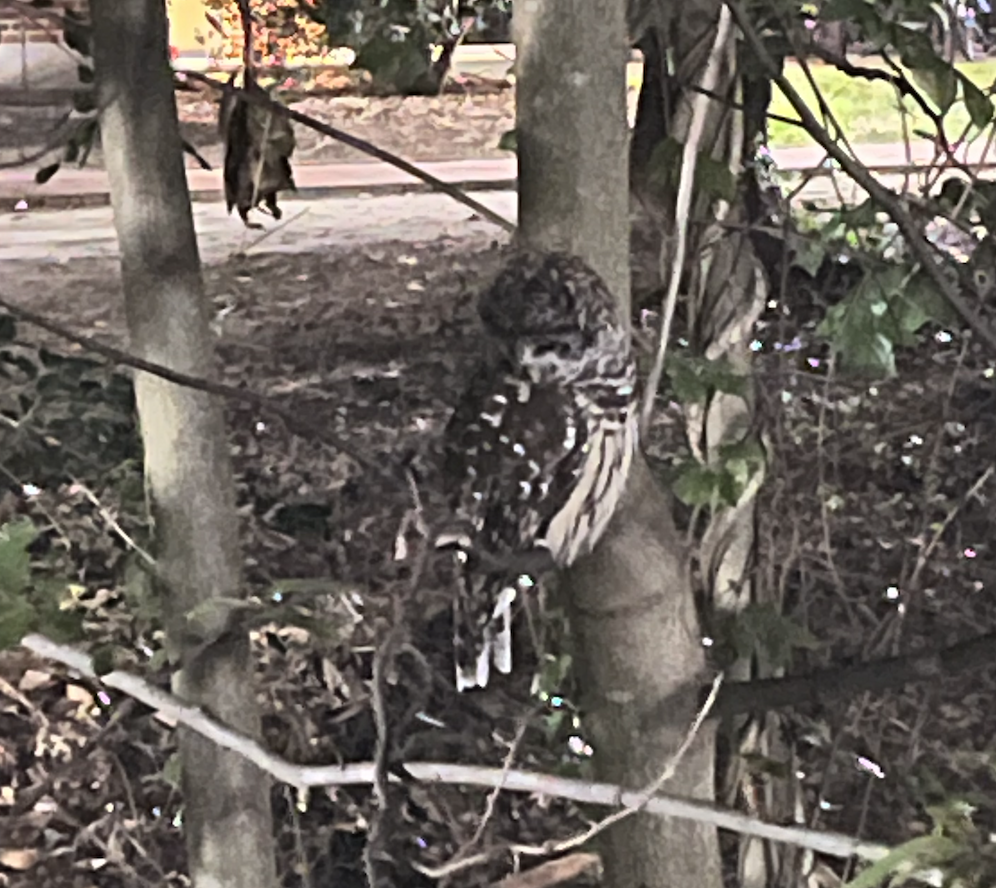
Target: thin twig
{"x": 113, "y": 524}
{"x": 682, "y": 209}
{"x": 463, "y": 859}
{"x": 273, "y": 229}
{"x": 651, "y": 791}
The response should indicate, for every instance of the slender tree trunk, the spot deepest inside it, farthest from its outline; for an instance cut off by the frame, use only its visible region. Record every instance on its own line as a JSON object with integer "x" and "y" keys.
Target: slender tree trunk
{"x": 227, "y": 821}
{"x": 633, "y": 618}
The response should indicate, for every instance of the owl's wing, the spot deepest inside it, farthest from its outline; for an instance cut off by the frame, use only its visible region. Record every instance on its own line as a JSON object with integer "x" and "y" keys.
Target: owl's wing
{"x": 512, "y": 452}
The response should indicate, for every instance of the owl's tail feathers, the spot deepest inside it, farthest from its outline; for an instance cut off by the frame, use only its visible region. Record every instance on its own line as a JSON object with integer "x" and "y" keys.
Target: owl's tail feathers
{"x": 482, "y": 636}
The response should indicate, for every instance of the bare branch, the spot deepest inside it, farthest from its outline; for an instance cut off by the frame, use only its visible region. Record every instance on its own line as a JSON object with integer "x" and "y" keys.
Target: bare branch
{"x": 301, "y": 776}
{"x": 879, "y": 675}
{"x": 298, "y": 422}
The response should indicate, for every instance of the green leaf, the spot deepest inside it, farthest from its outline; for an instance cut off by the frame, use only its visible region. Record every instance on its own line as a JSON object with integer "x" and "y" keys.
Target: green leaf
{"x": 915, "y": 854}
{"x": 697, "y": 485}
{"x": 689, "y": 386}
{"x": 715, "y": 179}
{"x": 762, "y": 631}
{"x": 937, "y": 78}
{"x": 509, "y": 141}
{"x": 17, "y": 619}
{"x": 980, "y": 108}
{"x": 712, "y": 177}
{"x": 173, "y": 770}
{"x": 694, "y": 378}
{"x": 870, "y": 353}
{"x": 552, "y": 675}
{"x": 15, "y": 560}
{"x": 808, "y": 254}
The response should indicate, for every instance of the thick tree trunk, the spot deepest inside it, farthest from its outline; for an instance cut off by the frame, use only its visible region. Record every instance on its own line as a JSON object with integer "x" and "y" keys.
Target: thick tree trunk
{"x": 632, "y": 613}
{"x": 228, "y": 822}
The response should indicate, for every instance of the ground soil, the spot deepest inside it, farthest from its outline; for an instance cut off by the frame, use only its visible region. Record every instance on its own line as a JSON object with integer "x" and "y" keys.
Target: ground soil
{"x": 868, "y": 533}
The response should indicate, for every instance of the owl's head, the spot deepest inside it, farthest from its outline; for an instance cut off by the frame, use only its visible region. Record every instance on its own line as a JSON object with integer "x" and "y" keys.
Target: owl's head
{"x": 551, "y": 310}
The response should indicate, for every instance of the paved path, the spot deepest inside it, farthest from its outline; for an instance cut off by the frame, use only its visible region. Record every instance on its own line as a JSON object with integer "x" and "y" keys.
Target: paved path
{"x": 323, "y": 180}
{"x": 335, "y": 205}
{"x": 308, "y": 225}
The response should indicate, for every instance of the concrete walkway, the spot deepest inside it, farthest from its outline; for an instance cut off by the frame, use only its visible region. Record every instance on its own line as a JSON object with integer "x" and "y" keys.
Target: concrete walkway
{"x": 307, "y": 226}
{"x": 90, "y": 186}
{"x": 342, "y": 204}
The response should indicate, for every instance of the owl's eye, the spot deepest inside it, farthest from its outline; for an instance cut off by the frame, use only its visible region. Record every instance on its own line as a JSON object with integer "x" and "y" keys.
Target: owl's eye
{"x": 982, "y": 278}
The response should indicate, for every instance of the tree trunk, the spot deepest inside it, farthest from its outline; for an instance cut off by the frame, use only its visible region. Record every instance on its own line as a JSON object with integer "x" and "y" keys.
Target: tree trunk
{"x": 632, "y": 613}
{"x": 227, "y": 820}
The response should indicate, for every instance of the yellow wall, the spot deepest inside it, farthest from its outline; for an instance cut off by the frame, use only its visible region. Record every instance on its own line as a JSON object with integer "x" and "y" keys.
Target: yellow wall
{"x": 186, "y": 23}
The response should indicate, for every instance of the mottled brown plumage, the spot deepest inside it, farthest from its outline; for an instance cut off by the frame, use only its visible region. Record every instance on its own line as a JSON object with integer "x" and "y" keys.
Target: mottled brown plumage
{"x": 540, "y": 446}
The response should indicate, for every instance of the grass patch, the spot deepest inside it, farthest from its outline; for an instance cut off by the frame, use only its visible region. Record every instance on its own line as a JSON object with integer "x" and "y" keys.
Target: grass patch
{"x": 868, "y": 111}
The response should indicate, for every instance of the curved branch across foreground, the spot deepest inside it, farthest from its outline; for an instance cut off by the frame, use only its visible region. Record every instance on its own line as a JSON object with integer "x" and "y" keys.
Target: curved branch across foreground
{"x": 357, "y": 143}
{"x": 174, "y": 711}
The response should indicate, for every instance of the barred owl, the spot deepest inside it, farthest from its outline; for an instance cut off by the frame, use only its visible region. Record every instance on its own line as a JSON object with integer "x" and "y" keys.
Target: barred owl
{"x": 539, "y": 448}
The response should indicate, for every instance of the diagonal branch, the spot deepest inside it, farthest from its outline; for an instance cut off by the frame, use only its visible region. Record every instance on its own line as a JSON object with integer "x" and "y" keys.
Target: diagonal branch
{"x": 885, "y": 674}
{"x": 299, "y": 422}
{"x": 363, "y": 145}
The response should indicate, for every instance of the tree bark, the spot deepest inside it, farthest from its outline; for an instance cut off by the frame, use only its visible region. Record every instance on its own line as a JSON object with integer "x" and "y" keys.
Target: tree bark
{"x": 632, "y": 613}
{"x": 228, "y": 820}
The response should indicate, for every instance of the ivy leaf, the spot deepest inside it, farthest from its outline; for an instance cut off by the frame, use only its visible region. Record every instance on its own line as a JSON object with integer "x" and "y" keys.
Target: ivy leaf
{"x": 697, "y": 485}
{"x": 980, "y": 108}
{"x": 695, "y": 378}
{"x": 807, "y": 254}
{"x": 915, "y": 854}
{"x": 688, "y": 385}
